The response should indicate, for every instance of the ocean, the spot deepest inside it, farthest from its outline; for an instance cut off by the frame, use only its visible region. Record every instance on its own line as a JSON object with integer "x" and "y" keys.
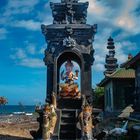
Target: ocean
{"x": 9, "y": 109}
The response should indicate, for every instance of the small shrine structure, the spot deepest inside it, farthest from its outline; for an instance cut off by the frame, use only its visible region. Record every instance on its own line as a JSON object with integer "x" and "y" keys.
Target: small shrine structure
{"x": 69, "y": 40}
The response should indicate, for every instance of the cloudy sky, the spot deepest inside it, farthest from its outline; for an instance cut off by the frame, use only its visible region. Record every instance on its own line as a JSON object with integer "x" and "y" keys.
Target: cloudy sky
{"x": 22, "y": 71}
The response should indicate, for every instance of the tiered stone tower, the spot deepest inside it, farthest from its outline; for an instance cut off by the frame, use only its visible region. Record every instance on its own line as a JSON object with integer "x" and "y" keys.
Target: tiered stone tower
{"x": 111, "y": 62}
{"x": 69, "y": 39}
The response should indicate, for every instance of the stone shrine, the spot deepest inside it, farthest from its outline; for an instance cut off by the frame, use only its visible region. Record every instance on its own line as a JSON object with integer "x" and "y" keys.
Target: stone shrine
{"x": 69, "y": 41}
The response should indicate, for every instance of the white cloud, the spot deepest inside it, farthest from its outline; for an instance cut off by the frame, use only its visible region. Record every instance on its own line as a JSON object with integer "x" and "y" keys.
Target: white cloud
{"x": 121, "y": 15}
{"x": 19, "y": 54}
{"x": 99, "y": 67}
{"x": 111, "y": 18}
{"x": 31, "y": 49}
{"x": 32, "y": 62}
{"x": 45, "y": 15}
{"x": 128, "y": 45}
{"x": 123, "y": 48}
{"x": 19, "y": 7}
{"x": 27, "y": 56}
{"x": 41, "y": 51}
{"x": 3, "y": 33}
{"x": 96, "y": 8}
{"x": 27, "y": 24}
{"x": 99, "y": 58}
{"x": 120, "y": 53}
{"x": 100, "y": 44}
{"x": 128, "y": 19}
{"x": 14, "y": 13}
{"x": 109, "y": 15}
{"x": 122, "y": 21}
{"x": 99, "y": 11}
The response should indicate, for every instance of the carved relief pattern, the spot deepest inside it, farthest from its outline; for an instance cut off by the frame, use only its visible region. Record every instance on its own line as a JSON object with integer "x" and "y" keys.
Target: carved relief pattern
{"x": 69, "y": 12}
{"x": 48, "y": 58}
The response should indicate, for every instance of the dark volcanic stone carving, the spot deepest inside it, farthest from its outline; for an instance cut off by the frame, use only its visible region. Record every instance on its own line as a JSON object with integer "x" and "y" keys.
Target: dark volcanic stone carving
{"x": 69, "y": 37}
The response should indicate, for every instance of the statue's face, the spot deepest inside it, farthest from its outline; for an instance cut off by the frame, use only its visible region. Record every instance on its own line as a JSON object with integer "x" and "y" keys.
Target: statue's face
{"x": 69, "y": 68}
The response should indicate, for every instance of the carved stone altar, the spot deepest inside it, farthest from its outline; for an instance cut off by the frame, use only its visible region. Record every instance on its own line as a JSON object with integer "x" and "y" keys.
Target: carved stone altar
{"x": 69, "y": 39}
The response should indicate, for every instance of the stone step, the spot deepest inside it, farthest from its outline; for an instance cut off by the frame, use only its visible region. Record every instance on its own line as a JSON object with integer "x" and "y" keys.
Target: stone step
{"x": 68, "y": 130}
{"x": 68, "y": 120}
{"x": 68, "y": 114}
{"x": 69, "y": 103}
{"x": 68, "y": 135}
{"x": 68, "y": 127}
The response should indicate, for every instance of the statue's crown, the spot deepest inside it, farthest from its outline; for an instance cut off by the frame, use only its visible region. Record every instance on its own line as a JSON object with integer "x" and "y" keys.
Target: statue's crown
{"x": 87, "y": 108}
{"x": 47, "y": 108}
{"x": 69, "y": 63}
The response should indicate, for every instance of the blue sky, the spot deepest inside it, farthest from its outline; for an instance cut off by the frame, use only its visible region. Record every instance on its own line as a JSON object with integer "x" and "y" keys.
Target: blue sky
{"x": 22, "y": 71}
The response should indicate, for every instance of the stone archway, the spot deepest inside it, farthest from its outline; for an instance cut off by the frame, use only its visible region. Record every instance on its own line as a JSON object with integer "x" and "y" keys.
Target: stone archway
{"x": 63, "y": 57}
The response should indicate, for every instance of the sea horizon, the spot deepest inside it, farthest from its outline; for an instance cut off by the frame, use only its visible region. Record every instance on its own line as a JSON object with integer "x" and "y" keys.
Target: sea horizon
{"x": 10, "y": 109}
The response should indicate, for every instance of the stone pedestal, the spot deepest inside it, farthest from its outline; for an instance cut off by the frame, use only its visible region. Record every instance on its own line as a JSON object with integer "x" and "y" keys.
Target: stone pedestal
{"x": 38, "y": 135}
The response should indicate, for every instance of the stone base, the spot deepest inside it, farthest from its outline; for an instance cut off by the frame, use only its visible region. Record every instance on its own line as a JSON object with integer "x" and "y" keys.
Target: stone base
{"x": 69, "y": 103}
{"x": 38, "y": 135}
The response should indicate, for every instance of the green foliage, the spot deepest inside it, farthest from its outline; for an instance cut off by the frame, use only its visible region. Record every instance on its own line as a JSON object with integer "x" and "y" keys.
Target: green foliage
{"x": 98, "y": 96}
{"x": 99, "y": 91}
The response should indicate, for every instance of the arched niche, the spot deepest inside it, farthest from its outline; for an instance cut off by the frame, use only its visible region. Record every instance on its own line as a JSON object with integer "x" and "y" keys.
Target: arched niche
{"x": 61, "y": 59}
{"x": 69, "y": 55}
{"x": 76, "y": 67}
{"x": 85, "y": 70}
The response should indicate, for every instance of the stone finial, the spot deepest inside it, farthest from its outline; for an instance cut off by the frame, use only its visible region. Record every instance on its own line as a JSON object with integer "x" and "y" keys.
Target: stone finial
{"x": 130, "y": 56}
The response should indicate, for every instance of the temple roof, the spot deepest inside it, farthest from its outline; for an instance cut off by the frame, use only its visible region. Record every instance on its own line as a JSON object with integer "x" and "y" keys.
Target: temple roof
{"x": 121, "y": 73}
{"x": 132, "y": 62}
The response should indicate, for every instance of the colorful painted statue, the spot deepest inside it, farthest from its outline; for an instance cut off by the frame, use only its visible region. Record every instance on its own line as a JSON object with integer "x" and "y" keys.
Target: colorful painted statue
{"x": 85, "y": 119}
{"x": 69, "y": 89}
{"x": 49, "y": 119}
{"x": 46, "y": 122}
{"x": 69, "y": 76}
